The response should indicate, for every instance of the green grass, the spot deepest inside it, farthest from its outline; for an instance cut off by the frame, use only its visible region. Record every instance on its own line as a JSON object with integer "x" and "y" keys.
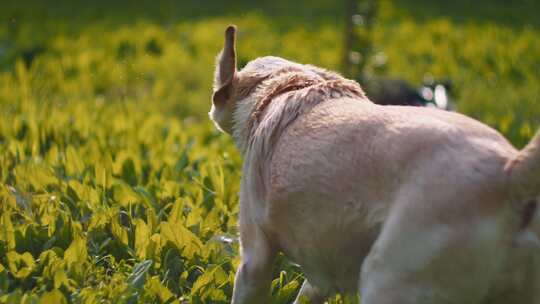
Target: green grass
{"x": 114, "y": 187}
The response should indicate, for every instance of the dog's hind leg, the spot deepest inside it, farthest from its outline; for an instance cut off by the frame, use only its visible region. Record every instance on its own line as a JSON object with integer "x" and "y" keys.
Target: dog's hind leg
{"x": 309, "y": 294}
{"x": 419, "y": 260}
{"x": 254, "y": 275}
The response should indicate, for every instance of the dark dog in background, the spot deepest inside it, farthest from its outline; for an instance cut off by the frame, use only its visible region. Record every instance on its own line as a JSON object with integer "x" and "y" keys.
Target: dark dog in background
{"x": 398, "y": 92}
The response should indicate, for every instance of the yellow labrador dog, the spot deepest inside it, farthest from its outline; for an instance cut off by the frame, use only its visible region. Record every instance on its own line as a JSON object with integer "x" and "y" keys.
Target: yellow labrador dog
{"x": 399, "y": 204}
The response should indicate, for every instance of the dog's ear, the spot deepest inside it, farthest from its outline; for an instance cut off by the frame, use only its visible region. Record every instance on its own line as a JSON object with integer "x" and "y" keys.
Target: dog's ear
{"x": 225, "y": 68}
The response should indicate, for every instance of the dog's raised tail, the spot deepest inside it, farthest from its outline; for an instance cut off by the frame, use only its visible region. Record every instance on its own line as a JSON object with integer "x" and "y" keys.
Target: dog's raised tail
{"x": 524, "y": 171}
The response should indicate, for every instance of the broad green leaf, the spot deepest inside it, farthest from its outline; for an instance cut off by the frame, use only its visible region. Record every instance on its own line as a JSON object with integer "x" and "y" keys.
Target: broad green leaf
{"x": 54, "y": 296}
{"x": 7, "y": 234}
{"x": 182, "y": 238}
{"x": 74, "y": 163}
{"x": 213, "y": 275}
{"x": 20, "y": 265}
{"x": 103, "y": 171}
{"x": 156, "y": 287}
{"x": 194, "y": 217}
{"x": 60, "y": 278}
{"x": 119, "y": 231}
{"x": 38, "y": 177}
{"x": 289, "y": 290}
{"x": 170, "y": 188}
{"x": 7, "y": 197}
{"x": 142, "y": 238}
{"x": 153, "y": 250}
{"x": 76, "y": 252}
{"x": 99, "y": 219}
{"x": 124, "y": 195}
{"x": 81, "y": 192}
{"x": 176, "y": 213}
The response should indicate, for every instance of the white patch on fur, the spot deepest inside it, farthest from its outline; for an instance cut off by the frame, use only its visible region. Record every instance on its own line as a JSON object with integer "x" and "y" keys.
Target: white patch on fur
{"x": 241, "y": 115}
{"x": 221, "y": 119}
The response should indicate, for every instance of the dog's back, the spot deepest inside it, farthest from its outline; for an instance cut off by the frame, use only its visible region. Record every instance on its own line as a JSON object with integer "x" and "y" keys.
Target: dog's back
{"x": 339, "y": 170}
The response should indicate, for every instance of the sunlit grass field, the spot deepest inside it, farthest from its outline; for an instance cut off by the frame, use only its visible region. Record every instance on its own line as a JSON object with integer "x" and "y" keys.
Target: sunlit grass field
{"x": 115, "y": 187}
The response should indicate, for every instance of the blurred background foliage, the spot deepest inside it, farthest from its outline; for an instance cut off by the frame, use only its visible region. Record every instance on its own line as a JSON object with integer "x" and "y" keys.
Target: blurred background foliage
{"x": 115, "y": 187}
